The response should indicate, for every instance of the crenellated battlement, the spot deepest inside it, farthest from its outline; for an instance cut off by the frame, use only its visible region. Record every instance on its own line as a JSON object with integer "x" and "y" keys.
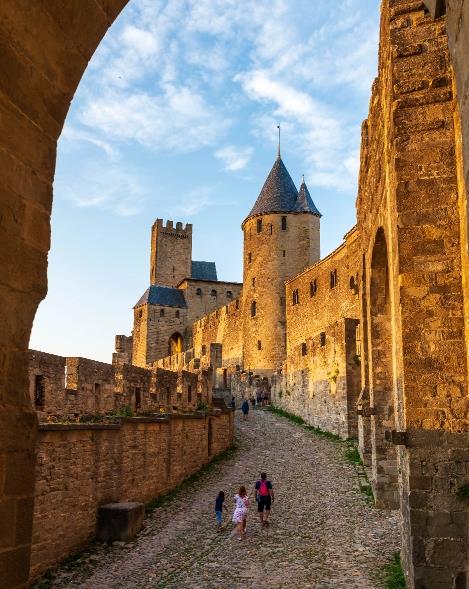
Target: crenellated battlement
{"x": 171, "y": 228}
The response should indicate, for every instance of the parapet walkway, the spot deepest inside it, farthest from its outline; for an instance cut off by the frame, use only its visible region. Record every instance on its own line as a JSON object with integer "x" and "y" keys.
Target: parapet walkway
{"x": 324, "y": 533}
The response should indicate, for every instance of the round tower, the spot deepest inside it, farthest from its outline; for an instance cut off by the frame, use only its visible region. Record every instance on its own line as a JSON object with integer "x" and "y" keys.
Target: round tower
{"x": 281, "y": 238}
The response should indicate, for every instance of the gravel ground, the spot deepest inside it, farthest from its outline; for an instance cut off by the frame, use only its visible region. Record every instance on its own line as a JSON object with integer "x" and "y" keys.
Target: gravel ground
{"x": 323, "y": 534}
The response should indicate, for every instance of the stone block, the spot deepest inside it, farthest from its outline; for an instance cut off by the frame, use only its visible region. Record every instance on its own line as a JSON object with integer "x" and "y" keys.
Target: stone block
{"x": 119, "y": 521}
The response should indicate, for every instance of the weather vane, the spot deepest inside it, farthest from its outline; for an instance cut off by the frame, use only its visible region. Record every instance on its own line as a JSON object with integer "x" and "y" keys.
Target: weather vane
{"x": 278, "y": 151}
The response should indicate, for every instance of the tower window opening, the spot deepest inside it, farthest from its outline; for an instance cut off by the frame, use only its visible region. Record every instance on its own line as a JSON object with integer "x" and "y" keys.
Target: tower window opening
{"x": 198, "y": 292}
{"x": 358, "y": 341}
{"x": 237, "y": 304}
{"x": 304, "y": 349}
{"x": 259, "y": 344}
{"x": 189, "y": 393}
{"x": 97, "y": 388}
{"x": 204, "y": 350}
{"x": 333, "y": 279}
{"x": 296, "y": 297}
{"x": 254, "y": 282}
{"x": 284, "y": 253}
{"x": 284, "y": 223}
{"x": 140, "y": 313}
{"x": 259, "y": 225}
{"x": 177, "y": 314}
{"x": 39, "y": 391}
{"x": 213, "y": 293}
{"x": 249, "y": 257}
{"x": 229, "y": 294}
{"x": 138, "y": 398}
{"x": 313, "y": 288}
{"x": 161, "y": 312}
{"x": 322, "y": 338}
{"x": 253, "y": 309}
{"x": 271, "y": 228}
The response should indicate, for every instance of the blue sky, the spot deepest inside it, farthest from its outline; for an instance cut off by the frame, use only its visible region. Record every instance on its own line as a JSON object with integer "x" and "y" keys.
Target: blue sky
{"x": 176, "y": 118}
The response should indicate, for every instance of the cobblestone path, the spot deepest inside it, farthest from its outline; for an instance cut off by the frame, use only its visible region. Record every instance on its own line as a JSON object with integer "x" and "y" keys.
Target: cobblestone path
{"x": 323, "y": 533}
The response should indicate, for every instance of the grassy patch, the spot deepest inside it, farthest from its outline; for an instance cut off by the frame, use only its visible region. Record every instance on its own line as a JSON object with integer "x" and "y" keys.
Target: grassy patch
{"x": 394, "y": 578}
{"x": 192, "y": 479}
{"x": 352, "y": 454}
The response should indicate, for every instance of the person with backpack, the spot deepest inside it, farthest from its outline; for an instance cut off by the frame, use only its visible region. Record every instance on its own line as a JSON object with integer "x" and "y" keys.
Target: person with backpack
{"x": 264, "y": 498}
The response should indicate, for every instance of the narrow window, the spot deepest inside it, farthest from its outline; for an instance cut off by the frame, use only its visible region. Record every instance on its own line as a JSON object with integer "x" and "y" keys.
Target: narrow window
{"x": 253, "y": 309}
{"x": 237, "y": 304}
{"x": 271, "y": 228}
{"x": 138, "y": 398}
{"x": 97, "y": 388}
{"x": 140, "y": 313}
{"x": 259, "y": 225}
{"x": 296, "y": 297}
{"x": 259, "y": 344}
{"x": 213, "y": 293}
{"x": 189, "y": 394}
{"x": 229, "y": 294}
{"x": 313, "y": 288}
{"x": 284, "y": 223}
{"x": 333, "y": 278}
{"x": 358, "y": 342}
{"x": 322, "y": 338}
{"x": 249, "y": 257}
{"x": 204, "y": 350}
{"x": 39, "y": 390}
{"x": 161, "y": 312}
{"x": 198, "y": 292}
{"x": 177, "y": 314}
{"x": 254, "y": 282}
{"x": 284, "y": 253}
{"x": 304, "y": 349}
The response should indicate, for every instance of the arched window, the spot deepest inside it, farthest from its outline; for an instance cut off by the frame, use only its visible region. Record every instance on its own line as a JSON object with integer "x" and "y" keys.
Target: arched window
{"x": 333, "y": 278}
{"x": 213, "y": 293}
{"x": 259, "y": 225}
{"x": 177, "y": 314}
{"x": 284, "y": 223}
{"x": 161, "y": 312}
{"x": 175, "y": 344}
{"x": 229, "y": 294}
{"x": 198, "y": 292}
{"x": 313, "y": 287}
{"x": 253, "y": 309}
{"x": 259, "y": 344}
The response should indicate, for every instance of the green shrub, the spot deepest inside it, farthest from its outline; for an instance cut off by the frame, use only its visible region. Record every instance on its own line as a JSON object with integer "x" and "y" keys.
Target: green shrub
{"x": 394, "y": 578}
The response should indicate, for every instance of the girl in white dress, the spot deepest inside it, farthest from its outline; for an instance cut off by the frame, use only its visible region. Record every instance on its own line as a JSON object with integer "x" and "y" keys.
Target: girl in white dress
{"x": 240, "y": 513}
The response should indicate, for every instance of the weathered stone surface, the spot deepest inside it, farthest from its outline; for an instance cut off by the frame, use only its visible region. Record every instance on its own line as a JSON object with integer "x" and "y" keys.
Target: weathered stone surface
{"x": 119, "y": 521}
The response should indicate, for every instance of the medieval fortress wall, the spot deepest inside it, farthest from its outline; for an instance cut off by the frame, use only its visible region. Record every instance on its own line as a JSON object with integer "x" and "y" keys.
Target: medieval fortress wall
{"x": 370, "y": 341}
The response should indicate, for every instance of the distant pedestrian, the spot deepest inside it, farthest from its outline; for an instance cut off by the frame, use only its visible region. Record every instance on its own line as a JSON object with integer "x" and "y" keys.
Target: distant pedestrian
{"x": 233, "y": 403}
{"x": 220, "y": 505}
{"x": 253, "y": 401}
{"x": 245, "y": 408}
{"x": 240, "y": 513}
{"x": 264, "y": 498}
{"x": 258, "y": 396}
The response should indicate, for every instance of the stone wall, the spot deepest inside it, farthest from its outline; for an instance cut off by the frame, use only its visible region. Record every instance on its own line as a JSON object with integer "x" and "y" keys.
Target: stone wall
{"x": 137, "y": 460}
{"x": 171, "y": 252}
{"x": 72, "y": 387}
{"x": 205, "y": 296}
{"x": 321, "y": 376}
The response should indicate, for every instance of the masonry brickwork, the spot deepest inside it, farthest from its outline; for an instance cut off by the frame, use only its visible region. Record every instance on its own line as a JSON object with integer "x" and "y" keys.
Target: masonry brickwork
{"x": 137, "y": 459}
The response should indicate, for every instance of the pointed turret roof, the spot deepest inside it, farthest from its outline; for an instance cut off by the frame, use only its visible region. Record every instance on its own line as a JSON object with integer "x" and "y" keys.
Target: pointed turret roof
{"x": 279, "y": 193}
{"x": 304, "y": 202}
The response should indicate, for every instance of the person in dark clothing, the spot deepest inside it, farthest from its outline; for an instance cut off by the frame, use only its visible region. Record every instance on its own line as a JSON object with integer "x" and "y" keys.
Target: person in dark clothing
{"x": 219, "y": 507}
{"x": 264, "y": 498}
{"x": 232, "y": 403}
{"x": 245, "y": 408}
{"x": 253, "y": 401}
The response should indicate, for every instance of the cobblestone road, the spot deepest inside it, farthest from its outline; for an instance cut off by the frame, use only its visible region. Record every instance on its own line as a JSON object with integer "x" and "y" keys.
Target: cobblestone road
{"x": 324, "y": 534}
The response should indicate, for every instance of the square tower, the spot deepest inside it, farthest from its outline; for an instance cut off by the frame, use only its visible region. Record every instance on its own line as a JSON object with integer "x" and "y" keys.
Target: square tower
{"x": 171, "y": 253}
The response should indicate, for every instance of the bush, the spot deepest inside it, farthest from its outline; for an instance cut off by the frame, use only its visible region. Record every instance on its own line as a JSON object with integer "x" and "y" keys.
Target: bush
{"x": 394, "y": 578}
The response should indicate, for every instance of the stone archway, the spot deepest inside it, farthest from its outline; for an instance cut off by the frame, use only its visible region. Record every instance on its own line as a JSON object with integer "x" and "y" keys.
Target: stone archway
{"x": 383, "y": 452}
{"x": 175, "y": 344}
{"x": 45, "y": 47}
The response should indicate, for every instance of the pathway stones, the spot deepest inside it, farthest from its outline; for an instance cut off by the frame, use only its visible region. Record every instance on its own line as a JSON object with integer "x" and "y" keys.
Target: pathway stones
{"x": 324, "y": 534}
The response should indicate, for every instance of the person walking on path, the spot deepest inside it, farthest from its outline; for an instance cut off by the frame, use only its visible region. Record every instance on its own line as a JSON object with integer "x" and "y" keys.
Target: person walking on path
{"x": 245, "y": 408}
{"x": 220, "y": 505}
{"x": 253, "y": 401}
{"x": 264, "y": 498}
{"x": 233, "y": 403}
{"x": 240, "y": 513}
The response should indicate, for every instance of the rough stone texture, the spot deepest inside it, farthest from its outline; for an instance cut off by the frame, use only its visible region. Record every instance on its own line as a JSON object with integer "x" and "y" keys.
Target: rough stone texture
{"x": 322, "y": 382}
{"x": 271, "y": 256}
{"x": 136, "y": 461}
{"x": 171, "y": 253}
{"x": 323, "y": 534}
{"x": 119, "y": 522}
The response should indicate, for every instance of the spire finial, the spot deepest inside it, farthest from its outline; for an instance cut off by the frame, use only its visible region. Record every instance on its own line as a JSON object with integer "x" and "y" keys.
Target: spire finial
{"x": 303, "y": 176}
{"x": 278, "y": 150}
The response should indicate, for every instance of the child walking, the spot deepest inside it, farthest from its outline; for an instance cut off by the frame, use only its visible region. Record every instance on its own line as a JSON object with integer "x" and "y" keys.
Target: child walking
{"x": 240, "y": 513}
{"x": 219, "y": 507}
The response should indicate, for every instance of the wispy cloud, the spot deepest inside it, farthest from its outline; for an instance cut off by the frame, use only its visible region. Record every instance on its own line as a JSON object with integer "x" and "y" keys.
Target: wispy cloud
{"x": 234, "y": 158}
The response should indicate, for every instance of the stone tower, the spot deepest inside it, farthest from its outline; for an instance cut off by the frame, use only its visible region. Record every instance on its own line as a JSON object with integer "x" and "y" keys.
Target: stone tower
{"x": 281, "y": 238}
{"x": 171, "y": 253}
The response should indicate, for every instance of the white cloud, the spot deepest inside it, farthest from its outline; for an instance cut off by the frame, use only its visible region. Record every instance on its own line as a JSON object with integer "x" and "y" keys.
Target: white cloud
{"x": 72, "y": 136}
{"x": 141, "y": 41}
{"x": 234, "y": 158}
{"x": 178, "y": 120}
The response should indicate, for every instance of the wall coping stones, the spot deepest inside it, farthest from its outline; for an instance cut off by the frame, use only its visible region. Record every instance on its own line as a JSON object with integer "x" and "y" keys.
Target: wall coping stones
{"x": 49, "y": 427}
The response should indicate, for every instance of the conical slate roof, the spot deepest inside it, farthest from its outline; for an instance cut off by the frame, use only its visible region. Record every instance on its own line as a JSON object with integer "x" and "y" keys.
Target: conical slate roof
{"x": 279, "y": 193}
{"x": 304, "y": 202}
